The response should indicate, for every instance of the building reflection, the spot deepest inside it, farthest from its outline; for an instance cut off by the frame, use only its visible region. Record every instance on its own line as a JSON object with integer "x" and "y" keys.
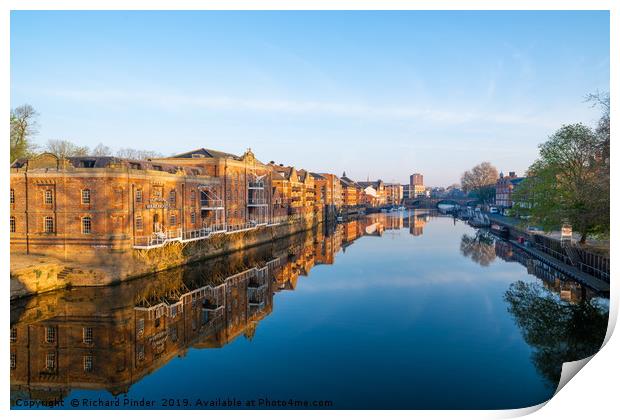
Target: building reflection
{"x": 111, "y": 337}
{"x": 561, "y": 285}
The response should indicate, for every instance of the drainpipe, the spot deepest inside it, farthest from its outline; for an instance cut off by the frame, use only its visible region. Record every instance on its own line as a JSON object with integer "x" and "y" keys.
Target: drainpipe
{"x": 27, "y": 215}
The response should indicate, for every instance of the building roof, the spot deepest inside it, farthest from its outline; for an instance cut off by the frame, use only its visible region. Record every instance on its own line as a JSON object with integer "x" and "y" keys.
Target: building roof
{"x": 348, "y": 182}
{"x": 207, "y": 153}
{"x": 107, "y": 161}
{"x": 316, "y": 175}
{"x": 374, "y": 184}
{"x": 276, "y": 175}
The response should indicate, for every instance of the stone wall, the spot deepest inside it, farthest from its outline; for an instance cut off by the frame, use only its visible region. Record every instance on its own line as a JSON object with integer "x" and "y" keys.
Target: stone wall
{"x": 39, "y": 274}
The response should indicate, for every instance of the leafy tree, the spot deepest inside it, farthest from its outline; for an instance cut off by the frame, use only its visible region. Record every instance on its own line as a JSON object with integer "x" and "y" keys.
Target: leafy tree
{"x": 558, "y": 331}
{"x": 569, "y": 183}
{"x": 480, "y": 181}
{"x": 65, "y": 148}
{"x": 23, "y": 128}
{"x": 129, "y": 153}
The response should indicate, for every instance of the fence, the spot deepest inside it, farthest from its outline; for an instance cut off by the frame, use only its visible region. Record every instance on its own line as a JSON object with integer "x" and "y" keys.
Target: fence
{"x": 594, "y": 264}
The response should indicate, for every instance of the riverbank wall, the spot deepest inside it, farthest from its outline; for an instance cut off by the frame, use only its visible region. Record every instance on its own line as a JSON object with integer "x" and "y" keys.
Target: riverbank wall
{"x": 34, "y": 274}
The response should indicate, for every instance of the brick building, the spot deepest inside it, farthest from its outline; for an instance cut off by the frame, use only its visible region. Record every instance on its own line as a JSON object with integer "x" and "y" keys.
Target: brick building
{"x": 504, "y": 189}
{"x": 82, "y": 205}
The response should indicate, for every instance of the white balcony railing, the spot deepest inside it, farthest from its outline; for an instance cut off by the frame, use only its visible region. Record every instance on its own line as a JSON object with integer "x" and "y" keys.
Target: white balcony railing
{"x": 158, "y": 238}
{"x": 256, "y": 185}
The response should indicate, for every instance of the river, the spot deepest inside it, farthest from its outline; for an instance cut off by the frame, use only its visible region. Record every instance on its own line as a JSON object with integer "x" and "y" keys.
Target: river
{"x": 408, "y": 310}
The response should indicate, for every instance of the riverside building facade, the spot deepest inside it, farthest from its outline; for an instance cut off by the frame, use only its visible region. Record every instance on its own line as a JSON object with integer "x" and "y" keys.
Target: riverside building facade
{"x": 84, "y": 205}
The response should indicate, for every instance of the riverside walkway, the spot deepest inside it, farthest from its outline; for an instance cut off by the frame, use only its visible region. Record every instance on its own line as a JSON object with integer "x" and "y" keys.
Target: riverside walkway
{"x": 584, "y": 278}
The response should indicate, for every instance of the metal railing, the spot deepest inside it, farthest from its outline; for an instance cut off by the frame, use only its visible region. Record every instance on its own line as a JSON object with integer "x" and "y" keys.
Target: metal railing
{"x": 256, "y": 185}
{"x": 204, "y": 232}
{"x": 158, "y": 238}
{"x": 257, "y": 201}
{"x": 211, "y": 204}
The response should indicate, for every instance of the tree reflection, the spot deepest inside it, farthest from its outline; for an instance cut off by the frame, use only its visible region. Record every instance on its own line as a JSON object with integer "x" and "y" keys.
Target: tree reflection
{"x": 558, "y": 331}
{"x": 480, "y": 248}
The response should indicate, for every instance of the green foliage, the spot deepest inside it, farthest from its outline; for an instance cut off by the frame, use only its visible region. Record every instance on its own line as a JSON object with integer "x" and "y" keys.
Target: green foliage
{"x": 568, "y": 183}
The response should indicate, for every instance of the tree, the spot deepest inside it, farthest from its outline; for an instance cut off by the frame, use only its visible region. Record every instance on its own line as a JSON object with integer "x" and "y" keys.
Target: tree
{"x": 480, "y": 248}
{"x": 481, "y": 181}
{"x": 129, "y": 153}
{"x": 23, "y": 128}
{"x": 65, "y": 148}
{"x": 101, "y": 150}
{"x": 569, "y": 183}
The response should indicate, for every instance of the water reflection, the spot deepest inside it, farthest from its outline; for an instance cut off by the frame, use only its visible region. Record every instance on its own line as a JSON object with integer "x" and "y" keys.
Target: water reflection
{"x": 557, "y": 330}
{"x": 112, "y": 337}
{"x": 480, "y": 247}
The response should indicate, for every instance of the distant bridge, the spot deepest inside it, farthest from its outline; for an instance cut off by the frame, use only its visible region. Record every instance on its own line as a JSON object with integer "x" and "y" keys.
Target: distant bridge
{"x": 429, "y": 203}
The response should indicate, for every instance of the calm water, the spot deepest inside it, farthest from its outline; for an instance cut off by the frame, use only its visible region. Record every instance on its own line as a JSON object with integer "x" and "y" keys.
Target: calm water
{"x": 391, "y": 311}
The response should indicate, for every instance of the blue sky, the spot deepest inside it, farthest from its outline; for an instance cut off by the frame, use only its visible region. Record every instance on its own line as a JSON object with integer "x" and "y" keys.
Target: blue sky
{"x": 378, "y": 94}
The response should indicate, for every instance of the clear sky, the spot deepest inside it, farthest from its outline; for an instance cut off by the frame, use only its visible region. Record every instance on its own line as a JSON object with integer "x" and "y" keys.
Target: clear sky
{"x": 375, "y": 94}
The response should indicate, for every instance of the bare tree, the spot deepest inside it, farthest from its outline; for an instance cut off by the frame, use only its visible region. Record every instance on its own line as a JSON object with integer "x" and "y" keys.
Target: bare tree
{"x": 23, "y": 128}
{"x": 102, "y": 150}
{"x": 481, "y": 181}
{"x": 65, "y": 148}
{"x": 129, "y": 153}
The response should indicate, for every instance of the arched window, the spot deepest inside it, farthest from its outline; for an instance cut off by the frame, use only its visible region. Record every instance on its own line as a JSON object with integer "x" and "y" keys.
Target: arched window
{"x": 12, "y": 224}
{"x": 86, "y": 225}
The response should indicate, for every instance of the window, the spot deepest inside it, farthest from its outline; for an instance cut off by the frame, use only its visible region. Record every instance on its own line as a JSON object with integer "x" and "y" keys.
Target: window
{"x": 139, "y": 225}
{"x": 86, "y": 225}
{"x": 138, "y": 196}
{"x": 140, "y": 327}
{"x": 85, "y": 196}
{"x": 192, "y": 217}
{"x": 12, "y": 224}
{"x": 172, "y": 197}
{"x": 12, "y": 196}
{"x": 140, "y": 351}
{"x": 173, "y": 333}
{"x": 13, "y": 360}
{"x": 87, "y": 335}
{"x": 88, "y": 363}
{"x": 50, "y": 361}
{"x": 48, "y": 224}
{"x": 13, "y": 335}
{"x": 173, "y": 220}
{"x": 50, "y": 334}
{"x": 88, "y": 163}
{"x": 192, "y": 196}
{"x": 49, "y": 197}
